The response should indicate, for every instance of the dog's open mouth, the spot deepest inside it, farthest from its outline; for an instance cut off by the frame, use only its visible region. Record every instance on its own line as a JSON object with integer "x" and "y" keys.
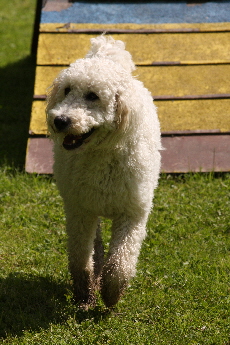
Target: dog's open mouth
{"x": 72, "y": 141}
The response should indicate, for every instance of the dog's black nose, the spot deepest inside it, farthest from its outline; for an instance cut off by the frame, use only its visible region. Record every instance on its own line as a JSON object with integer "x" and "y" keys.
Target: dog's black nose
{"x": 62, "y": 122}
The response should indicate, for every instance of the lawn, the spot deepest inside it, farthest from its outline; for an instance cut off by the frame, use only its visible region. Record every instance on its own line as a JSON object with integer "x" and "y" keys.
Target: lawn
{"x": 181, "y": 294}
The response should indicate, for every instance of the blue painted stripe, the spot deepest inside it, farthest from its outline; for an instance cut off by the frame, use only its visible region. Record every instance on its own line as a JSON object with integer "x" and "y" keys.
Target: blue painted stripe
{"x": 141, "y": 13}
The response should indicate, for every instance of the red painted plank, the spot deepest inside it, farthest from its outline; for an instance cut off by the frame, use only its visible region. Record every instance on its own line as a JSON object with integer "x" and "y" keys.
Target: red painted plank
{"x": 190, "y": 153}
{"x": 196, "y": 153}
{"x": 39, "y": 157}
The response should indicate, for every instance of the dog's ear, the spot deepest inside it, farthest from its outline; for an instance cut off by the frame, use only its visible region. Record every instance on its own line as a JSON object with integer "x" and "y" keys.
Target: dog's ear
{"x": 51, "y": 98}
{"x": 122, "y": 114}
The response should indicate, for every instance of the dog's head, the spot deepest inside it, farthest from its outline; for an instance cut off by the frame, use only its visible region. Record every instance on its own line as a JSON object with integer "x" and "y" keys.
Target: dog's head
{"x": 87, "y": 100}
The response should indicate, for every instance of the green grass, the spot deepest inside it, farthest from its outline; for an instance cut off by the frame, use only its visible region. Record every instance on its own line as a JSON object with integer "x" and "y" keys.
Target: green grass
{"x": 181, "y": 294}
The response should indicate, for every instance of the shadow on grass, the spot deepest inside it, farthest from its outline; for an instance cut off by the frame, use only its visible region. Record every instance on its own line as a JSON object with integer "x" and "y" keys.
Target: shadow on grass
{"x": 16, "y": 92}
{"x": 31, "y": 303}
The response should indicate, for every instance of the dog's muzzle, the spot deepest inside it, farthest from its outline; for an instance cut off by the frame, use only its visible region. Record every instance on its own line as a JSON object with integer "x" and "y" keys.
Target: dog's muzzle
{"x": 71, "y": 141}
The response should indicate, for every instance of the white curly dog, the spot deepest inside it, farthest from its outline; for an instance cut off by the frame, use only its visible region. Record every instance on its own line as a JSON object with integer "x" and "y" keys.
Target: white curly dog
{"x": 106, "y": 138}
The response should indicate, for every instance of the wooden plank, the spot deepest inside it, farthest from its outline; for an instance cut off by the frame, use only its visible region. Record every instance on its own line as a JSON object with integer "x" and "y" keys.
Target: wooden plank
{"x": 56, "y": 5}
{"x": 39, "y": 156}
{"x": 176, "y": 48}
{"x": 208, "y": 153}
{"x": 196, "y": 153}
{"x": 192, "y": 115}
{"x": 175, "y": 116}
{"x": 162, "y": 81}
{"x": 44, "y": 78}
{"x": 184, "y": 81}
{"x": 137, "y": 12}
{"x": 165, "y": 27}
{"x": 38, "y": 118}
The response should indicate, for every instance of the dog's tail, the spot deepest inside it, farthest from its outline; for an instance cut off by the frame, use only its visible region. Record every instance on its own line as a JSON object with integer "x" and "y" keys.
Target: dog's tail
{"x": 107, "y": 47}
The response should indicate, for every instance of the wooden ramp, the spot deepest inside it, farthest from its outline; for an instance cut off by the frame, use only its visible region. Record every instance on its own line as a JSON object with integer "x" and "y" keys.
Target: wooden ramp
{"x": 185, "y": 65}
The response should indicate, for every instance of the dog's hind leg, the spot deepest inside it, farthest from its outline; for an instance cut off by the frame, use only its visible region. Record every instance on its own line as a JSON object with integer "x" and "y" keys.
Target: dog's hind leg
{"x": 81, "y": 230}
{"x": 120, "y": 267}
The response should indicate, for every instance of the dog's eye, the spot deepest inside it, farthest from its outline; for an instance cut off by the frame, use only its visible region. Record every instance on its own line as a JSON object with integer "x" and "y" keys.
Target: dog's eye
{"x": 91, "y": 96}
{"x": 67, "y": 90}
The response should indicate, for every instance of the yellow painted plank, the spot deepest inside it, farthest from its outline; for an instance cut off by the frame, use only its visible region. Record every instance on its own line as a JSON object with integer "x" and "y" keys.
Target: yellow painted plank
{"x": 174, "y": 115}
{"x": 194, "y": 115}
{"x": 202, "y": 27}
{"x": 177, "y": 81}
{"x": 38, "y": 118}
{"x": 182, "y": 81}
{"x": 192, "y": 48}
{"x": 44, "y": 78}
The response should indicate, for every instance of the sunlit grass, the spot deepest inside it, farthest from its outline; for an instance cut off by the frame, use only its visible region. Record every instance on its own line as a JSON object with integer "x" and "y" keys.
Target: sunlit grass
{"x": 179, "y": 296}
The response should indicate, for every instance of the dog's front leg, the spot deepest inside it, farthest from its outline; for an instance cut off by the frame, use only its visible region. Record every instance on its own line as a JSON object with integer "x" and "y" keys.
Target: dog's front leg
{"x": 81, "y": 230}
{"x": 120, "y": 267}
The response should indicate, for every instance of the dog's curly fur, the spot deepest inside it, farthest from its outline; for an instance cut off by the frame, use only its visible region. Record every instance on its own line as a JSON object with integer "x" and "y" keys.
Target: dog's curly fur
{"x": 106, "y": 151}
